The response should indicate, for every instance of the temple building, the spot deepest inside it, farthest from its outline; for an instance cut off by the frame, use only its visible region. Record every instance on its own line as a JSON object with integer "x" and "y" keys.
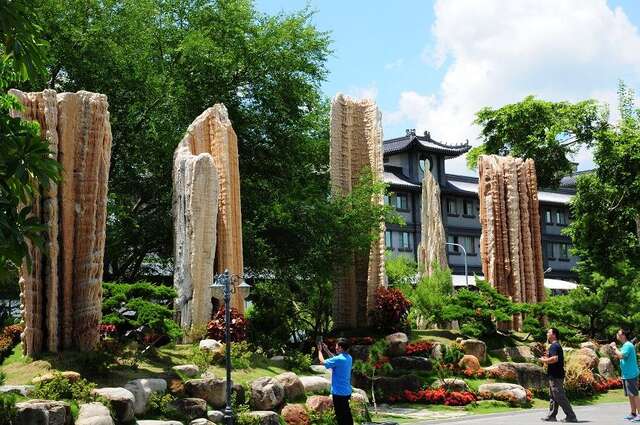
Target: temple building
{"x": 406, "y": 158}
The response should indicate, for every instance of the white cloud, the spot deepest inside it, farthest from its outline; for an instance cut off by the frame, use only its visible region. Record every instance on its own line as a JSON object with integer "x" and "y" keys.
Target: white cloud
{"x": 366, "y": 92}
{"x": 498, "y": 52}
{"x": 395, "y": 64}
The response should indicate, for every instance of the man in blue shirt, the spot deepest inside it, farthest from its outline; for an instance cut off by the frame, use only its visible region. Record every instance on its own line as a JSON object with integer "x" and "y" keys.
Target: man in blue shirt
{"x": 629, "y": 369}
{"x": 340, "y": 365}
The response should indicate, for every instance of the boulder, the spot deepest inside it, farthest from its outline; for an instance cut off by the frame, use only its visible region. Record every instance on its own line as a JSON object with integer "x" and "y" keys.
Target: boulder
{"x": 188, "y": 370}
{"x": 397, "y": 344}
{"x": 214, "y": 391}
{"x": 293, "y": 388}
{"x": 360, "y": 352}
{"x": 513, "y": 393}
{"x": 210, "y": 345}
{"x": 590, "y": 345}
{"x": 319, "y": 403}
{"x": 607, "y": 351}
{"x": 320, "y": 369}
{"x": 48, "y": 377}
{"x": 295, "y": 414}
{"x": 142, "y": 390}
{"x": 520, "y": 353}
{"x": 122, "y": 402}
{"x": 43, "y": 412}
{"x": 215, "y": 416}
{"x": 22, "y": 390}
{"x": 265, "y": 417}
{"x": 469, "y": 362}
{"x": 359, "y": 395}
{"x": 585, "y": 357}
{"x": 537, "y": 349}
{"x": 476, "y": 348}
{"x": 155, "y": 422}
{"x": 191, "y": 407}
{"x": 315, "y": 384}
{"x": 201, "y": 421}
{"x": 451, "y": 384}
{"x": 411, "y": 363}
{"x": 94, "y": 414}
{"x": 437, "y": 352}
{"x": 266, "y": 394}
{"x": 606, "y": 367}
{"x": 526, "y": 374}
{"x": 278, "y": 361}
{"x": 391, "y": 385}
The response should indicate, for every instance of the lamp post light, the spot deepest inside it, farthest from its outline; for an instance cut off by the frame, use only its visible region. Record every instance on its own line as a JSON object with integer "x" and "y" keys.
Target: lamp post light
{"x": 466, "y": 275}
{"x": 222, "y": 287}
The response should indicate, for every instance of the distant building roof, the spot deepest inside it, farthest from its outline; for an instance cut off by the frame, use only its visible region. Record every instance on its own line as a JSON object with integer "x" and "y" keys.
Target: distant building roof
{"x": 570, "y": 180}
{"x": 459, "y": 280}
{"x": 466, "y": 184}
{"x": 394, "y": 177}
{"x": 411, "y": 140}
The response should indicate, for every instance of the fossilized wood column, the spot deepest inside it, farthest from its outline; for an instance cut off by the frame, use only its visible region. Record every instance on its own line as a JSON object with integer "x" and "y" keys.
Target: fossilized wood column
{"x": 356, "y": 143}
{"x": 510, "y": 245}
{"x": 207, "y": 216}
{"x": 431, "y": 249}
{"x": 62, "y": 293}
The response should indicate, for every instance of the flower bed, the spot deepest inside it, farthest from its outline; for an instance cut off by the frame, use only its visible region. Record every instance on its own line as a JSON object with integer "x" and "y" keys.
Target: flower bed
{"x": 420, "y": 348}
{"x": 436, "y": 396}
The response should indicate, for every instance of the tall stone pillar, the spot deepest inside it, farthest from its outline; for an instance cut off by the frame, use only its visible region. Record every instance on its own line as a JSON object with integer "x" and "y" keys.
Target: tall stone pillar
{"x": 432, "y": 241}
{"x": 356, "y": 143}
{"x": 61, "y": 293}
{"x": 510, "y": 245}
{"x": 207, "y": 216}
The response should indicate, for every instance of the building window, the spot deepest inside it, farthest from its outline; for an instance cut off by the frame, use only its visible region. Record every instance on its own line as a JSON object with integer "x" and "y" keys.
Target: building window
{"x": 561, "y": 218}
{"x": 548, "y": 247}
{"x": 402, "y": 202}
{"x": 387, "y": 239}
{"x": 467, "y": 207}
{"x": 563, "y": 249}
{"x": 387, "y": 200}
{"x": 452, "y": 207}
{"x": 547, "y": 217}
{"x": 404, "y": 241}
{"x": 469, "y": 243}
{"x": 453, "y": 249}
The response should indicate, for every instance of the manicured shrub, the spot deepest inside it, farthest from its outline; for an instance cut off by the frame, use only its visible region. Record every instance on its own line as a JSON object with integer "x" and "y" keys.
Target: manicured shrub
{"x": 60, "y": 388}
{"x": 420, "y": 348}
{"x": 298, "y": 362}
{"x": 7, "y": 408}
{"x": 436, "y": 396}
{"x": 392, "y": 309}
{"x": 237, "y": 329}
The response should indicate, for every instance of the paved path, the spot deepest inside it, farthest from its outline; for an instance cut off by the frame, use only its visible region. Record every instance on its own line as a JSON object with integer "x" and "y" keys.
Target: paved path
{"x": 598, "y": 414}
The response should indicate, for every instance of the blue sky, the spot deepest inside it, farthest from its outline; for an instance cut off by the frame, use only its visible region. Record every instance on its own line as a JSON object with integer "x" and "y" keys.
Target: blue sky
{"x": 431, "y": 64}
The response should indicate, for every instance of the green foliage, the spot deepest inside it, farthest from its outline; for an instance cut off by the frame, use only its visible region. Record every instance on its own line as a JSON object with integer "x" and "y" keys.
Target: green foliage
{"x": 478, "y": 311}
{"x": 243, "y": 355}
{"x": 452, "y": 354}
{"x": 605, "y": 231}
{"x": 376, "y": 364}
{"x": 60, "y": 388}
{"x": 328, "y": 417}
{"x": 547, "y": 132}
{"x": 429, "y": 297}
{"x": 3, "y": 378}
{"x": 400, "y": 269}
{"x": 159, "y": 407}
{"x": 7, "y": 408}
{"x": 204, "y": 358}
{"x": 149, "y": 302}
{"x": 298, "y": 362}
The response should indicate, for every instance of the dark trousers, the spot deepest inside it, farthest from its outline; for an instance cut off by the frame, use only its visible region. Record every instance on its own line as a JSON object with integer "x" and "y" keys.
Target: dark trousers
{"x": 343, "y": 410}
{"x": 559, "y": 399}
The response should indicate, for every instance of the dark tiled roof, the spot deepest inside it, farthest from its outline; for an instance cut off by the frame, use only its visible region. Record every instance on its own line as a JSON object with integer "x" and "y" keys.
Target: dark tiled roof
{"x": 411, "y": 140}
{"x": 395, "y": 178}
{"x": 570, "y": 181}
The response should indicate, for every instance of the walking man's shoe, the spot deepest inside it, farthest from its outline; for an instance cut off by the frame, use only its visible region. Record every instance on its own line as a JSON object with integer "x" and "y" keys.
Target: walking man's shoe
{"x": 549, "y": 419}
{"x": 635, "y": 419}
{"x": 630, "y": 417}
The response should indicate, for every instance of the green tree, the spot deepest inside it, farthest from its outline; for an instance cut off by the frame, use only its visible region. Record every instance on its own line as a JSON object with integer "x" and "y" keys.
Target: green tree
{"x": 604, "y": 229}
{"x": 161, "y": 63}
{"x": 548, "y": 132}
{"x": 400, "y": 269}
{"x": 25, "y": 161}
{"x": 430, "y": 296}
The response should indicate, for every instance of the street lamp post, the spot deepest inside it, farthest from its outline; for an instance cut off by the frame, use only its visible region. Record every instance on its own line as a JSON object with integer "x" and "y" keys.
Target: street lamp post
{"x": 223, "y": 284}
{"x": 464, "y": 251}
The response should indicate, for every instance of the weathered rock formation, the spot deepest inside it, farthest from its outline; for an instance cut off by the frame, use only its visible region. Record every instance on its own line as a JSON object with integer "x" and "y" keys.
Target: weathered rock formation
{"x": 62, "y": 290}
{"x": 509, "y": 214}
{"x": 356, "y": 145}
{"x": 431, "y": 249}
{"x": 206, "y": 210}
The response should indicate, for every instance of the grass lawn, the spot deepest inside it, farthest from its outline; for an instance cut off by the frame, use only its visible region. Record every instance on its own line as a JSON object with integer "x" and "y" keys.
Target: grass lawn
{"x": 21, "y": 370}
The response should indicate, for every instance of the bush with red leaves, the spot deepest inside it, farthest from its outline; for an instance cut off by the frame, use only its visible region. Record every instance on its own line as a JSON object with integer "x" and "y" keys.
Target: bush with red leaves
{"x": 420, "y": 348}
{"x": 237, "y": 330}
{"x": 392, "y": 309}
{"x": 436, "y": 396}
{"x": 9, "y": 338}
{"x": 13, "y": 332}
